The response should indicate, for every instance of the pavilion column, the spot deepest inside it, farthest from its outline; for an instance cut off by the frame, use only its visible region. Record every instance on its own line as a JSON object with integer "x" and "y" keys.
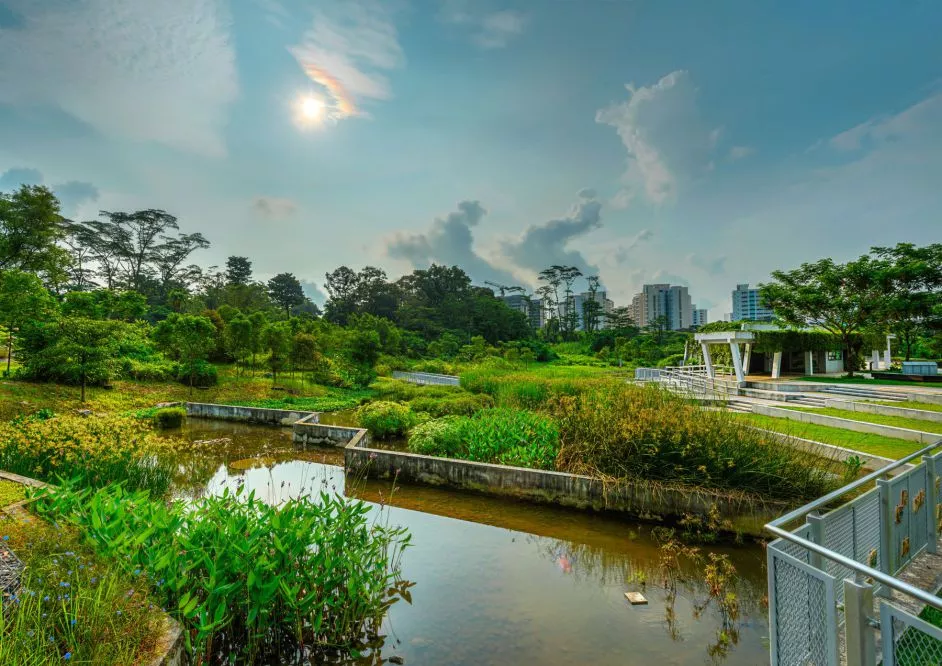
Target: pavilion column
{"x": 809, "y": 363}
{"x": 747, "y": 359}
{"x": 777, "y": 365}
{"x": 737, "y": 361}
{"x": 707, "y": 361}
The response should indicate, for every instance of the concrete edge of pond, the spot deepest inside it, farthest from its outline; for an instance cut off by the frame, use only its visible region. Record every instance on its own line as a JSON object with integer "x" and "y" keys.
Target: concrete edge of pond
{"x": 648, "y": 501}
{"x": 169, "y": 647}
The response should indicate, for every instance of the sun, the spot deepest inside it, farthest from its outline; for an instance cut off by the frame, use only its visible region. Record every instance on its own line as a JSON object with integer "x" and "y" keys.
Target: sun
{"x": 310, "y": 110}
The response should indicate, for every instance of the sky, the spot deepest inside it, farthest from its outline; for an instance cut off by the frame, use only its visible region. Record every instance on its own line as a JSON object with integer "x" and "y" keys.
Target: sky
{"x": 702, "y": 144}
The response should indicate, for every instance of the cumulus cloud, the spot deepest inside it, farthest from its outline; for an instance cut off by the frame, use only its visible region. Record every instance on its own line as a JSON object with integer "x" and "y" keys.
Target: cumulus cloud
{"x": 11, "y": 179}
{"x": 661, "y": 129}
{"x": 147, "y": 71}
{"x": 449, "y": 241}
{"x": 274, "y": 207}
{"x": 543, "y": 245}
{"x": 71, "y": 194}
{"x": 345, "y": 52}
{"x": 488, "y": 30}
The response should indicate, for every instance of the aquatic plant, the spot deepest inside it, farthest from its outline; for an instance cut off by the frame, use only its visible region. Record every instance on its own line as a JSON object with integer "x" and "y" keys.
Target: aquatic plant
{"x": 499, "y": 435}
{"x": 312, "y": 573}
{"x": 170, "y": 417}
{"x": 101, "y": 449}
{"x": 385, "y": 419}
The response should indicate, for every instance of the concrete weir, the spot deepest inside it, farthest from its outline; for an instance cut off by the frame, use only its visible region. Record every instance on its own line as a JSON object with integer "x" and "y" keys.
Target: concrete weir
{"x": 642, "y": 500}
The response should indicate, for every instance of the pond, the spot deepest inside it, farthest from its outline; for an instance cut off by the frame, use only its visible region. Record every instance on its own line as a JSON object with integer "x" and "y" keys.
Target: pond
{"x": 501, "y": 582}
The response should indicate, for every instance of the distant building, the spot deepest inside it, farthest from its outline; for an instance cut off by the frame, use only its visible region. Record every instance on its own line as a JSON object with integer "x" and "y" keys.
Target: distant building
{"x": 699, "y": 316}
{"x": 531, "y": 307}
{"x": 578, "y": 301}
{"x": 671, "y": 302}
{"x": 748, "y": 306}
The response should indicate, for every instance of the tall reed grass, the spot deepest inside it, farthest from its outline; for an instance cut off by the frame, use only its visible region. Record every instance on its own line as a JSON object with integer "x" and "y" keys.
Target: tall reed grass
{"x": 622, "y": 431}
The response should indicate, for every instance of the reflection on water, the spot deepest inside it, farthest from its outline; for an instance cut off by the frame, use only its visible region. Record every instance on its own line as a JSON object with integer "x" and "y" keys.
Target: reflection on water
{"x": 501, "y": 582}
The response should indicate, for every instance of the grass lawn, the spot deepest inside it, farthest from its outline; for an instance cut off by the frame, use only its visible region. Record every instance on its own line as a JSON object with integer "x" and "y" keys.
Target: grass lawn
{"x": 878, "y": 445}
{"x": 881, "y": 419}
{"x": 870, "y": 382}
{"x": 908, "y": 404}
{"x": 235, "y": 388}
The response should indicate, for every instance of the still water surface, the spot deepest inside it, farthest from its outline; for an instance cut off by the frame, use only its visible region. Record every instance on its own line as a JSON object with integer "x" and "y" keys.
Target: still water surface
{"x": 501, "y": 582}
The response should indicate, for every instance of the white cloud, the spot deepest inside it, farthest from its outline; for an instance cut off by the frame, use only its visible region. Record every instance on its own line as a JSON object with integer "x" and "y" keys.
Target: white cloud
{"x": 622, "y": 252}
{"x": 346, "y": 50}
{"x": 274, "y": 207}
{"x": 878, "y": 131}
{"x": 714, "y": 266}
{"x": 489, "y": 30}
{"x": 661, "y": 129}
{"x": 147, "y": 71}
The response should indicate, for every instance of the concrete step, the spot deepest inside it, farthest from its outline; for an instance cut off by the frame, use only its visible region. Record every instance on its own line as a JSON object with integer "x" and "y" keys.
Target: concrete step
{"x": 739, "y": 406}
{"x": 863, "y": 392}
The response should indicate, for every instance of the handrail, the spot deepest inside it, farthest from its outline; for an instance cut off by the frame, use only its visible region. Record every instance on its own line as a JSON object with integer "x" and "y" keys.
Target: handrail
{"x": 775, "y": 528}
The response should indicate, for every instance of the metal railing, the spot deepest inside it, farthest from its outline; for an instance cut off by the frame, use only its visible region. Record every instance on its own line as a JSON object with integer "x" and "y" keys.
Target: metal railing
{"x": 835, "y": 592}
{"x": 426, "y": 378}
{"x": 696, "y": 380}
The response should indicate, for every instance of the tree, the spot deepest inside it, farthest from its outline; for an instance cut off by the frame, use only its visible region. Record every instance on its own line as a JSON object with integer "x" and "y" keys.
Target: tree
{"x": 591, "y": 308}
{"x": 619, "y": 318}
{"x": 843, "y": 299}
{"x": 341, "y": 285}
{"x": 238, "y": 271}
{"x": 239, "y": 337}
{"x": 285, "y": 290}
{"x": 276, "y": 339}
{"x": 554, "y": 277}
{"x": 188, "y": 338}
{"x": 912, "y": 284}
{"x": 22, "y": 296}
{"x": 30, "y": 230}
{"x": 86, "y": 347}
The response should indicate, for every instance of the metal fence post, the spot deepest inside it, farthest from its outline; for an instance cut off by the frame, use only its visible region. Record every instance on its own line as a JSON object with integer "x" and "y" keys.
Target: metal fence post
{"x": 816, "y": 524}
{"x": 887, "y": 556}
{"x": 932, "y": 501}
{"x": 859, "y": 636}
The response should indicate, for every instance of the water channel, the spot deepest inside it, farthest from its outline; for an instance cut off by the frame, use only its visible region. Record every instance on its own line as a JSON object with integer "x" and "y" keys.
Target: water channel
{"x": 497, "y": 581}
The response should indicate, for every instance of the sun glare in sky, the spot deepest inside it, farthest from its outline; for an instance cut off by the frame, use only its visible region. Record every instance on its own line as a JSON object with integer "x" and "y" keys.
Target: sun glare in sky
{"x": 310, "y": 110}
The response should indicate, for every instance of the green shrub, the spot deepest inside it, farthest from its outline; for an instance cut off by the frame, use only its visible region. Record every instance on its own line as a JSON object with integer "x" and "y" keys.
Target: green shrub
{"x": 310, "y": 574}
{"x": 154, "y": 370}
{"x": 385, "y": 419}
{"x": 170, "y": 417}
{"x": 501, "y": 435}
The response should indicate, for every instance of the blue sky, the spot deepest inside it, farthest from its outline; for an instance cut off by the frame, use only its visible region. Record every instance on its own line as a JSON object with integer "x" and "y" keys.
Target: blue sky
{"x": 699, "y": 143}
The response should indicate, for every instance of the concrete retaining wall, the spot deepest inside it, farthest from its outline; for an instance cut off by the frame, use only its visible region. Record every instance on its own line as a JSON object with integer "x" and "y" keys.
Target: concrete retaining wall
{"x": 311, "y": 433}
{"x": 847, "y": 424}
{"x": 245, "y": 414}
{"x": 885, "y": 410}
{"x": 648, "y": 501}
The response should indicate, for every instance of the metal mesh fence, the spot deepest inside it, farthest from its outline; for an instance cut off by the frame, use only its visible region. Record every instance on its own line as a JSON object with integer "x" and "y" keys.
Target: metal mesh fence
{"x": 426, "y": 378}
{"x": 803, "y": 613}
{"x": 908, "y": 640}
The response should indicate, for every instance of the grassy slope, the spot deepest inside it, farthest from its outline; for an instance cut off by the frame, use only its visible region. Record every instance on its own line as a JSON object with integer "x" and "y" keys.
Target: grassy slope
{"x": 868, "y": 382}
{"x": 909, "y": 404}
{"x": 880, "y": 419}
{"x": 878, "y": 445}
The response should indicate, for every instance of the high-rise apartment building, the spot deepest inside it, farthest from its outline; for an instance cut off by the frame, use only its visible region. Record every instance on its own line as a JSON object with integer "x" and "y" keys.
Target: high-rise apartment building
{"x": 531, "y": 307}
{"x": 670, "y": 302}
{"x": 699, "y": 316}
{"x": 578, "y": 301}
{"x": 747, "y": 305}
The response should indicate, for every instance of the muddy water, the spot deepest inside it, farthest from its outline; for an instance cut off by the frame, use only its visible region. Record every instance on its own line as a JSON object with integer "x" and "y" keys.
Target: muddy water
{"x": 500, "y": 582}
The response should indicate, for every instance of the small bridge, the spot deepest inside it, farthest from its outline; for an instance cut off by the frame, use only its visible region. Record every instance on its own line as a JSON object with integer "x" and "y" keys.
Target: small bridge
{"x": 426, "y": 378}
